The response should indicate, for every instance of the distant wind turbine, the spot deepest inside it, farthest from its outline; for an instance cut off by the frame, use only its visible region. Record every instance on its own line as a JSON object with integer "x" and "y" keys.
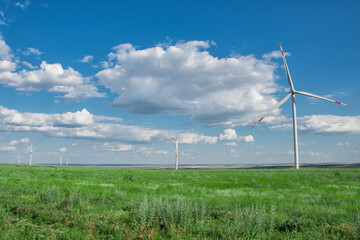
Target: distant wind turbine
{"x": 67, "y": 161}
{"x": 176, "y": 150}
{"x": 292, "y": 94}
{"x": 19, "y": 157}
{"x": 31, "y": 151}
{"x": 60, "y": 161}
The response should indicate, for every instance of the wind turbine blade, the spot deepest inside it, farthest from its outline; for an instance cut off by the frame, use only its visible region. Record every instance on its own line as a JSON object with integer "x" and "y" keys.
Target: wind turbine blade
{"x": 288, "y": 76}
{"x": 174, "y": 138}
{"x": 277, "y": 105}
{"x": 319, "y": 97}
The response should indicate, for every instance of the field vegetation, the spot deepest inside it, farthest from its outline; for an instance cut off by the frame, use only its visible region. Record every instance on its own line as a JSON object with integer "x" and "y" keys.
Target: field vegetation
{"x": 48, "y": 202}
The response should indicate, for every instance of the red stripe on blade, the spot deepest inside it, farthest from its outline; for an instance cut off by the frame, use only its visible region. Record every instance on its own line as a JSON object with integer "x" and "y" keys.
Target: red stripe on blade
{"x": 338, "y": 102}
{"x": 261, "y": 119}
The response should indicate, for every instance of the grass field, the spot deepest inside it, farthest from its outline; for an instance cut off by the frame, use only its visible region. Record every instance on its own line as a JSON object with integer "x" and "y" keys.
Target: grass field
{"x": 47, "y": 202}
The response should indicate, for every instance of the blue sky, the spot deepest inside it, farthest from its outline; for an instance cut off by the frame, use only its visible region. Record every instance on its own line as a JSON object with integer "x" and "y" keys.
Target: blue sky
{"x": 106, "y": 82}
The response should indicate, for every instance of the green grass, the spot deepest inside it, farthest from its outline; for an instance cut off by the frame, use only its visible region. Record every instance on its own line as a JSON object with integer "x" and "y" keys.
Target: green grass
{"x": 45, "y": 202}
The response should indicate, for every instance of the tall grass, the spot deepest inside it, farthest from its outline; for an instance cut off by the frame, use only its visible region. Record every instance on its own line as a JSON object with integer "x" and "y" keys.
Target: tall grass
{"x": 44, "y": 202}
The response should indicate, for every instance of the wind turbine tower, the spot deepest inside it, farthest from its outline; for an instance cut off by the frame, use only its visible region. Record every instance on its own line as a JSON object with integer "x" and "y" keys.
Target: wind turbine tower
{"x": 176, "y": 150}
{"x": 19, "y": 157}
{"x": 31, "y": 151}
{"x": 292, "y": 95}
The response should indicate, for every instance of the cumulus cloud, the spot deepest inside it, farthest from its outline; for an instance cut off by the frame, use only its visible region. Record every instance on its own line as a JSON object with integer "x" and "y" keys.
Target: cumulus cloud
{"x": 325, "y": 124}
{"x": 6, "y": 66}
{"x": 49, "y": 77}
{"x": 5, "y": 51}
{"x": 63, "y": 150}
{"x": 80, "y": 124}
{"x": 85, "y": 59}
{"x": 193, "y": 138}
{"x": 84, "y": 125}
{"x": 33, "y": 51}
{"x": 6, "y": 62}
{"x": 186, "y": 79}
{"x": 12, "y": 145}
{"x": 229, "y": 134}
{"x": 246, "y": 139}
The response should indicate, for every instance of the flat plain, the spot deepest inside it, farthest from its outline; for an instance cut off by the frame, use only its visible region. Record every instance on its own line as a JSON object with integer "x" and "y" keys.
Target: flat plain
{"x": 52, "y": 202}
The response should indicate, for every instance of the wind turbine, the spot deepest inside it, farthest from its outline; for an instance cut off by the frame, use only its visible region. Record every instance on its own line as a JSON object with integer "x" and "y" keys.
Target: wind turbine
{"x": 176, "y": 150}
{"x": 60, "y": 161}
{"x": 31, "y": 151}
{"x": 19, "y": 157}
{"x": 292, "y": 95}
{"x": 67, "y": 160}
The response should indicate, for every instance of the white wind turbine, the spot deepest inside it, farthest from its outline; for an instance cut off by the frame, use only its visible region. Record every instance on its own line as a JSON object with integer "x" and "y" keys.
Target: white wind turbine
{"x": 67, "y": 160}
{"x": 19, "y": 157}
{"x": 60, "y": 161}
{"x": 176, "y": 150}
{"x": 292, "y": 94}
{"x": 31, "y": 151}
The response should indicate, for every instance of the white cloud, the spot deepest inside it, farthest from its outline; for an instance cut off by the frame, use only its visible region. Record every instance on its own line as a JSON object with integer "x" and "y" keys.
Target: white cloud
{"x": 24, "y": 140}
{"x": 3, "y": 19}
{"x": 50, "y": 77}
{"x": 150, "y": 151}
{"x": 193, "y": 138}
{"x": 86, "y": 59}
{"x": 63, "y": 150}
{"x": 22, "y": 4}
{"x": 5, "y": 51}
{"x": 274, "y": 54}
{"x": 7, "y": 148}
{"x": 246, "y": 139}
{"x": 231, "y": 144}
{"x": 325, "y": 124}
{"x": 78, "y": 92}
{"x": 33, "y": 51}
{"x": 229, "y": 134}
{"x": 84, "y": 125}
{"x": 27, "y": 64}
{"x": 6, "y": 66}
{"x": 116, "y": 147}
{"x": 12, "y": 145}
{"x": 186, "y": 79}
{"x": 343, "y": 144}
{"x": 80, "y": 124}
